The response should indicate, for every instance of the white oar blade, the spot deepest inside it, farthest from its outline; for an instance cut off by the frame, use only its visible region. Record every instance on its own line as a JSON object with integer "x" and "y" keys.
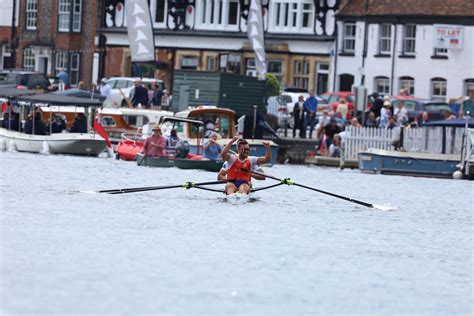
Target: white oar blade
{"x": 385, "y": 208}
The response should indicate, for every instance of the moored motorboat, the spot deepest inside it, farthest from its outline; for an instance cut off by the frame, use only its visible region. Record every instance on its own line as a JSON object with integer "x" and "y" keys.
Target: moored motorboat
{"x": 181, "y": 163}
{"x": 222, "y": 122}
{"x": 86, "y": 143}
{"x": 408, "y": 163}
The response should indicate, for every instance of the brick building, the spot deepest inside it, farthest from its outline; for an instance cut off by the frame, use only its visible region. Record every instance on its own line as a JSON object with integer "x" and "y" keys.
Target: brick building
{"x": 211, "y": 35}
{"x": 8, "y": 17}
{"x": 54, "y": 36}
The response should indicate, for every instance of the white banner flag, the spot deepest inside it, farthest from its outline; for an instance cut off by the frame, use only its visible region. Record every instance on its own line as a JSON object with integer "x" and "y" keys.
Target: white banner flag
{"x": 140, "y": 30}
{"x": 255, "y": 34}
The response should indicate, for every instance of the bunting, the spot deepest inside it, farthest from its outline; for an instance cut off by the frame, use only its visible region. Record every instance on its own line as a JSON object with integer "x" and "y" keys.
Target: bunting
{"x": 140, "y": 31}
{"x": 255, "y": 35}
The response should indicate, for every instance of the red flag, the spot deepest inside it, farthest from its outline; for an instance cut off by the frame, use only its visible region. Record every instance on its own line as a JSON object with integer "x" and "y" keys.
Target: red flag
{"x": 101, "y": 131}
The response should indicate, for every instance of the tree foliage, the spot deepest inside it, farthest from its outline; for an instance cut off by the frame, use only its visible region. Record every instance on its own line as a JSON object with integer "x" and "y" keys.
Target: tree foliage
{"x": 272, "y": 86}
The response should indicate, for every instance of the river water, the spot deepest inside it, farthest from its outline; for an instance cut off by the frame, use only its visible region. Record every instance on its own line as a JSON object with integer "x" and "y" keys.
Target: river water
{"x": 188, "y": 252}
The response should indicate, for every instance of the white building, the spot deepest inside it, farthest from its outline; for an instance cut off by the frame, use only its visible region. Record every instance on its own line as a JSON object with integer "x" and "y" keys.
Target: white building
{"x": 400, "y": 49}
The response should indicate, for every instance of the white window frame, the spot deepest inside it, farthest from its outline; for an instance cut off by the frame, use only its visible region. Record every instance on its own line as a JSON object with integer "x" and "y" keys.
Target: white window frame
{"x": 439, "y": 84}
{"x": 382, "y": 85}
{"x": 214, "y": 14}
{"x": 279, "y": 75}
{"x": 385, "y": 38}
{"x": 349, "y": 37}
{"x": 61, "y": 61}
{"x": 74, "y": 74}
{"x": 29, "y": 58}
{"x": 287, "y": 16}
{"x": 31, "y": 14}
{"x": 64, "y": 16}
{"x": 153, "y": 6}
{"x": 409, "y": 39}
{"x": 440, "y": 52}
{"x": 301, "y": 74}
{"x": 408, "y": 82}
{"x": 468, "y": 86}
{"x": 211, "y": 61}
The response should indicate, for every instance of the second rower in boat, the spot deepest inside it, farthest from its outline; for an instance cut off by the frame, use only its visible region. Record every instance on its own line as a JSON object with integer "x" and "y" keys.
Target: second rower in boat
{"x": 240, "y": 179}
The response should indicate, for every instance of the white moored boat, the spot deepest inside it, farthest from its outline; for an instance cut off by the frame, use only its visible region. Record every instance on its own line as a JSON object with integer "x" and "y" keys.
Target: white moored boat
{"x": 89, "y": 143}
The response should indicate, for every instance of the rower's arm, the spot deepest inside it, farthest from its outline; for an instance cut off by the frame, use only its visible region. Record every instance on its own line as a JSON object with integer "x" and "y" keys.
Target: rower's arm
{"x": 222, "y": 175}
{"x": 268, "y": 154}
{"x": 225, "y": 152}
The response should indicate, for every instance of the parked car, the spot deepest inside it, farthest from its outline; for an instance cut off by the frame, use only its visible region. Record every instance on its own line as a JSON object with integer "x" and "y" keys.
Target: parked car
{"x": 277, "y": 108}
{"x": 124, "y": 85}
{"x": 416, "y": 106}
{"x": 56, "y": 83}
{"x": 291, "y": 95}
{"x": 24, "y": 79}
{"x": 333, "y": 99}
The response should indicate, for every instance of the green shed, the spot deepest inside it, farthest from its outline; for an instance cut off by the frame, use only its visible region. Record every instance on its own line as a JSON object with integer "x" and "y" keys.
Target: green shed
{"x": 225, "y": 90}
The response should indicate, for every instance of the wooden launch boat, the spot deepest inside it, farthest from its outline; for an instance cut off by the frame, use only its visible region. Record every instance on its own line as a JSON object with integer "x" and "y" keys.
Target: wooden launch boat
{"x": 201, "y": 164}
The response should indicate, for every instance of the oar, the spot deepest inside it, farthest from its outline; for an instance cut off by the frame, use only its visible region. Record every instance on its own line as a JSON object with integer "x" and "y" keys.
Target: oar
{"x": 290, "y": 182}
{"x": 186, "y": 185}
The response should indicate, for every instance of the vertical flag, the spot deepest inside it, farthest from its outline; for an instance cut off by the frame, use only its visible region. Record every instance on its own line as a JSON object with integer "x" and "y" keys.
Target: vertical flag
{"x": 101, "y": 131}
{"x": 255, "y": 34}
{"x": 140, "y": 31}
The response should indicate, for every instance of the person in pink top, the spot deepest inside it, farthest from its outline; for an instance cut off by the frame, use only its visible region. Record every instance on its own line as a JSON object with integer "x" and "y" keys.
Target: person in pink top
{"x": 155, "y": 145}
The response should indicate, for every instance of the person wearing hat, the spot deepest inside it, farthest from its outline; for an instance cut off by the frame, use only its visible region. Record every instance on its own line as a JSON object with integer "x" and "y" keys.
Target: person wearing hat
{"x": 384, "y": 114}
{"x": 155, "y": 145}
{"x": 105, "y": 88}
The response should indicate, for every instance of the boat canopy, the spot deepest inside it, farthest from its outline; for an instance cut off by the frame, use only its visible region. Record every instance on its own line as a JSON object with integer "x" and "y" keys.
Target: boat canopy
{"x": 55, "y": 99}
{"x": 164, "y": 119}
{"x": 452, "y": 123}
{"x": 14, "y": 92}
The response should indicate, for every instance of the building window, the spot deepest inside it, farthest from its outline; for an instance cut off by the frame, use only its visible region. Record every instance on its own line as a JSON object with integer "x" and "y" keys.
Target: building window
{"x": 408, "y": 83}
{"x": 223, "y": 14}
{"x": 409, "y": 39}
{"x": 276, "y": 67}
{"x": 61, "y": 61}
{"x": 349, "y": 37}
{"x": 468, "y": 86}
{"x": 31, "y": 14}
{"x": 442, "y": 52}
{"x": 385, "y": 38}
{"x": 211, "y": 63}
{"x": 292, "y": 16}
{"x": 28, "y": 59}
{"x": 301, "y": 74}
{"x": 382, "y": 85}
{"x": 160, "y": 9}
{"x": 438, "y": 89}
{"x": 189, "y": 62}
{"x": 75, "y": 65}
{"x": 69, "y": 21}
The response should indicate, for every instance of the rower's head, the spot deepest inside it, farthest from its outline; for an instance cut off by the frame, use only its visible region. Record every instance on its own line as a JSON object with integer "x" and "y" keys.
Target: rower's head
{"x": 243, "y": 148}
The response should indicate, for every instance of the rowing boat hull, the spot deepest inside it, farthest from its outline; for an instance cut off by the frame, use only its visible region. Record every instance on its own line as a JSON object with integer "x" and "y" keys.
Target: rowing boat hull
{"x": 237, "y": 198}
{"x": 208, "y": 165}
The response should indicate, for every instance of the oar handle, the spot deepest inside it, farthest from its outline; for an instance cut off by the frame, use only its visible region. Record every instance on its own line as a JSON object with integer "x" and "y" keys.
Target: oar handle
{"x": 290, "y": 182}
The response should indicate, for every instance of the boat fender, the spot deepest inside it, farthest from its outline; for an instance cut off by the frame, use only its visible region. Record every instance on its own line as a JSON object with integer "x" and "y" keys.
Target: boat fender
{"x": 45, "y": 147}
{"x": 3, "y": 145}
{"x": 457, "y": 175}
